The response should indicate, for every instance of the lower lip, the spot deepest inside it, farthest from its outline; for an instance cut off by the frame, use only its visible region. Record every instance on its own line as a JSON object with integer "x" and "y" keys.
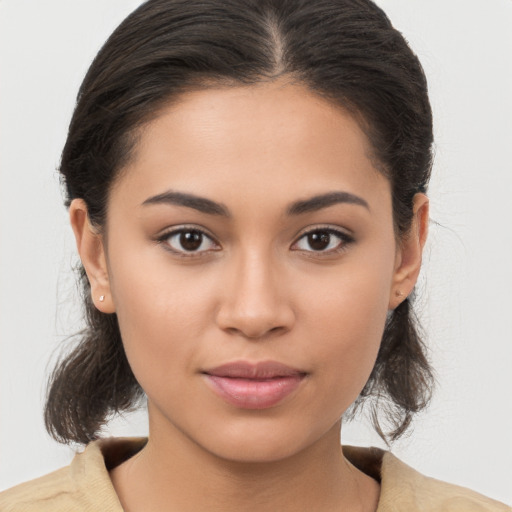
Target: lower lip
{"x": 253, "y": 393}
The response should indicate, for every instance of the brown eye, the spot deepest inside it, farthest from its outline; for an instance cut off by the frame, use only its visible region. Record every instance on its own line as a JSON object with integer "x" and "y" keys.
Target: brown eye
{"x": 323, "y": 241}
{"x": 319, "y": 240}
{"x": 189, "y": 241}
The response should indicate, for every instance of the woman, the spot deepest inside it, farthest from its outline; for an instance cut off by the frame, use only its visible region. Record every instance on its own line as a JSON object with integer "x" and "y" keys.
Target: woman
{"x": 246, "y": 184}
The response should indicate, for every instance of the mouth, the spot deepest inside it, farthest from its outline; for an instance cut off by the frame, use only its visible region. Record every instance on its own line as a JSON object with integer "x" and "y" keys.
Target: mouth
{"x": 254, "y": 386}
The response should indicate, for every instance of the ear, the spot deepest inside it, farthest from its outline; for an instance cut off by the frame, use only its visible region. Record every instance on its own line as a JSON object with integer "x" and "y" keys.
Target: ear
{"x": 409, "y": 253}
{"x": 89, "y": 243}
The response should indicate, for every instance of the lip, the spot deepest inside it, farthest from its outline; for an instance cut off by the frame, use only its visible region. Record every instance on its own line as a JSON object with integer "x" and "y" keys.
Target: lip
{"x": 253, "y": 385}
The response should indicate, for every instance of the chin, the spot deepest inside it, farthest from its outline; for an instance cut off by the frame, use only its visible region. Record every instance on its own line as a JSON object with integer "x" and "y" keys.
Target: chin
{"x": 259, "y": 443}
{"x": 256, "y": 452}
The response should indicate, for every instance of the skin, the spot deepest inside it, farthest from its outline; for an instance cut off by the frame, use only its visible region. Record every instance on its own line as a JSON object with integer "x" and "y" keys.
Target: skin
{"x": 255, "y": 291}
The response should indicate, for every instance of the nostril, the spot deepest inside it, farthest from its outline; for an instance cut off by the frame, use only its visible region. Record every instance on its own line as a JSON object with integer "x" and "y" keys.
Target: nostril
{"x": 256, "y": 334}
{"x": 253, "y": 316}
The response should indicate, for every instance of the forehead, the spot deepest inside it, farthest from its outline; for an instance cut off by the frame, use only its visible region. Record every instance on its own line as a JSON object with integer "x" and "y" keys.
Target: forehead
{"x": 274, "y": 139}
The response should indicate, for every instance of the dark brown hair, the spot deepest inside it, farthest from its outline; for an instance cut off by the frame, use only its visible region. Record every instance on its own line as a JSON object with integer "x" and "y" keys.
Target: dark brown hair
{"x": 344, "y": 50}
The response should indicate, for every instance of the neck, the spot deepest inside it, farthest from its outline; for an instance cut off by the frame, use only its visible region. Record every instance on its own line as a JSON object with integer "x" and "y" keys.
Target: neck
{"x": 174, "y": 473}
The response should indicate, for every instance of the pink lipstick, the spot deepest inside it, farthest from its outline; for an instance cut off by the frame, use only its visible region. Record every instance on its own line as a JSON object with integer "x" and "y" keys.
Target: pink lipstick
{"x": 253, "y": 386}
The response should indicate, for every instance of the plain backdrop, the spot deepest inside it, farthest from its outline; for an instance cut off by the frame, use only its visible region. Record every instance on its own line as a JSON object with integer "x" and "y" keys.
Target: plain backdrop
{"x": 465, "y": 294}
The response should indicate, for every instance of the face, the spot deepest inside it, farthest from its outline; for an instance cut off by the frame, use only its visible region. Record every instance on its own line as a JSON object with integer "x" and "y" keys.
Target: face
{"x": 251, "y": 262}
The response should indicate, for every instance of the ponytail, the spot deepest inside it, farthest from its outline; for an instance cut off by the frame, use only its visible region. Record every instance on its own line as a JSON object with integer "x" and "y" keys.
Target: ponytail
{"x": 92, "y": 382}
{"x": 402, "y": 380}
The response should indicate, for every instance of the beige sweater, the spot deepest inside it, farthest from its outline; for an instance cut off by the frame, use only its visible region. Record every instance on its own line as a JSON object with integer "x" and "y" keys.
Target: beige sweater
{"x": 85, "y": 486}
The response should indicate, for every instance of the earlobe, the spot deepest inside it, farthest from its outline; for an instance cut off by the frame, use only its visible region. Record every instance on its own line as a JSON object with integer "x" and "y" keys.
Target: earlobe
{"x": 89, "y": 243}
{"x": 409, "y": 253}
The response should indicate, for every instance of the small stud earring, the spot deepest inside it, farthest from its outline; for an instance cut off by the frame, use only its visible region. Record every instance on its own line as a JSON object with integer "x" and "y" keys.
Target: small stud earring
{"x": 398, "y": 293}
{"x": 102, "y": 298}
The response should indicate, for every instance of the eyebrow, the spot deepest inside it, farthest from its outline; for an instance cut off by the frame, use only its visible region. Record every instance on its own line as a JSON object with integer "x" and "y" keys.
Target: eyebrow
{"x": 210, "y": 207}
{"x": 323, "y": 201}
{"x": 201, "y": 204}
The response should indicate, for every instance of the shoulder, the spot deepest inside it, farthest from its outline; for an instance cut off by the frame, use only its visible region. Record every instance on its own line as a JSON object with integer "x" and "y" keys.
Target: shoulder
{"x": 83, "y": 485}
{"x": 44, "y": 493}
{"x": 405, "y": 489}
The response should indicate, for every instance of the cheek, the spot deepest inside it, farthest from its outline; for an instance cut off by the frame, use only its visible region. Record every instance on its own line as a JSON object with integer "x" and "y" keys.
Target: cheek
{"x": 166, "y": 315}
{"x": 346, "y": 317}
{"x": 161, "y": 316}
{"x": 349, "y": 330}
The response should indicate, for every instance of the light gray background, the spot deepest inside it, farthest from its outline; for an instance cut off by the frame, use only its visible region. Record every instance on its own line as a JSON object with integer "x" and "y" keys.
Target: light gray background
{"x": 466, "y": 287}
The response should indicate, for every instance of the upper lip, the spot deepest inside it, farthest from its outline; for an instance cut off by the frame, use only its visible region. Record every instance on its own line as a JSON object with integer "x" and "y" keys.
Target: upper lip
{"x": 259, "y": 370}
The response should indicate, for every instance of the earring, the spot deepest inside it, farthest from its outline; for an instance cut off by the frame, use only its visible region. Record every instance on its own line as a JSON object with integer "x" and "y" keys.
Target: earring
{"x": 398, "y": 293}
{"x": 102, "y": 298}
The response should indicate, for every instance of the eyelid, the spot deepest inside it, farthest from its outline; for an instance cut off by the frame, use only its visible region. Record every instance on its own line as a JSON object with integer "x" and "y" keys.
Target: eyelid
{"x": 345, "y": 237}
{"x": 342, "y": 234}
{"x": 174, "y": 230}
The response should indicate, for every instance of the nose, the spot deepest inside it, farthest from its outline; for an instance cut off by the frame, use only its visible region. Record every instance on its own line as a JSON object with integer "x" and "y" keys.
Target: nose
{"x": 254, "y": 303}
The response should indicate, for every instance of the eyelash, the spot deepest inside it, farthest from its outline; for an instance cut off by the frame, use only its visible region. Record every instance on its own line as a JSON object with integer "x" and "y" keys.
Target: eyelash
{"x": 184, "y": 229}
{"x": 345, "y": 240}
